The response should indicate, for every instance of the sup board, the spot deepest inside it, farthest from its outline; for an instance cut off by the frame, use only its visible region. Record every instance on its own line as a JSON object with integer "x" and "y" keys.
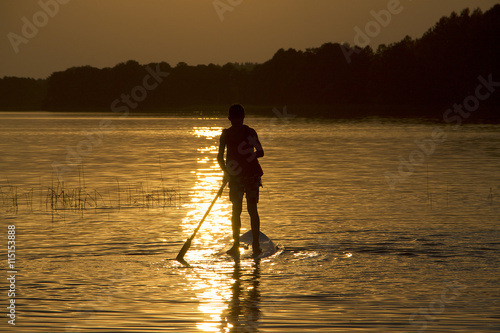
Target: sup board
{"x": 266, "y": 245}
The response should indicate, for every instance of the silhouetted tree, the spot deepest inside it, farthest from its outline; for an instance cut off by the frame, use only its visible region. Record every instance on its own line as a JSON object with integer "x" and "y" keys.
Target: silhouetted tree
{"x": 22, "y": 93}
{"x": 438, "y": 69}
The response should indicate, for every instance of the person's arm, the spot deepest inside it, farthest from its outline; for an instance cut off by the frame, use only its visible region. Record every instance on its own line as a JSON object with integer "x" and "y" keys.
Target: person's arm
{"x": 254, "y": 140}
{"x": 220, "y": 155}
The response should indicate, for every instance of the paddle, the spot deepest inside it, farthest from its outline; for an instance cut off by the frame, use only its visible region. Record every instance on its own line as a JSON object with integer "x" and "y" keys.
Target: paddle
{"x": 187, "y": 244}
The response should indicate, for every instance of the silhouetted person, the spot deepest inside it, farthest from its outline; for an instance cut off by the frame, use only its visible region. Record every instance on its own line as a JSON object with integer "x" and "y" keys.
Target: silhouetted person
{"x": 243, "y": 171}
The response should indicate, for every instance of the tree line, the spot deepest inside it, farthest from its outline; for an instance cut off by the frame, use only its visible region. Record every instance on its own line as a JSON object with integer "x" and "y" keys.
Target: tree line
{"x": 435, "y": 70}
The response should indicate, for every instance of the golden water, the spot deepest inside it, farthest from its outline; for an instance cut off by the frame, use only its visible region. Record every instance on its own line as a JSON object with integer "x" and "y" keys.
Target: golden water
{"x": 357, "y": 256}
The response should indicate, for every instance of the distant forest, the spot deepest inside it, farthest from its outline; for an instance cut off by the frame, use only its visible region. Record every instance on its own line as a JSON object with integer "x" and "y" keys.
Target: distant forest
{"x": 435, "y": 71}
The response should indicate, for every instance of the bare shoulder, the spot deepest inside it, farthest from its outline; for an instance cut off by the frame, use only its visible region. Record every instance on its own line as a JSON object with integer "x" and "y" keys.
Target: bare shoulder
{"x": 252, "y": 131}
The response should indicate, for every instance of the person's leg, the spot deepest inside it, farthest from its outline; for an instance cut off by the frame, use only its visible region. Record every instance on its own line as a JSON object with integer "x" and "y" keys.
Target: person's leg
{"x": 236, "y": 222}
{"x": 252, "y": 195}
{"x": 236, "y": 197}
{"x": 255, "y": 223}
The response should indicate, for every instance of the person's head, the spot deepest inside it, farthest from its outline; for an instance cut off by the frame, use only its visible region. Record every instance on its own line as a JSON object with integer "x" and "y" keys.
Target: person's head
{"x": 236, "y": 114}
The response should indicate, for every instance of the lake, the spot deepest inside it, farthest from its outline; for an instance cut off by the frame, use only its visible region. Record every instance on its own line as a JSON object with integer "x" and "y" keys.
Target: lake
{"x": 383, "y": 226}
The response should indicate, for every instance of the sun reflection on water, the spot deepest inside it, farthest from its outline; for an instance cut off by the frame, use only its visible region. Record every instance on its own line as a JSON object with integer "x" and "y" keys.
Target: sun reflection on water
{"x": 208, "y": 181}
{"x": 207, "y": 132}
{"x": 229, "y": 297}
{"x": 227, "y": 292}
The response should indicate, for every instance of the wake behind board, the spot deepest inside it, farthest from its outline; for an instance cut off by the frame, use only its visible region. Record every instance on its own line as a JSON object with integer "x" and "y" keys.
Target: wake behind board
{"x": 266, "y": 245}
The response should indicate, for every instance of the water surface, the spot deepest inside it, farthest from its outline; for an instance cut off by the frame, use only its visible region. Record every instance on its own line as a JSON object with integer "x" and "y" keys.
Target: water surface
{"x": 359, "y": 256}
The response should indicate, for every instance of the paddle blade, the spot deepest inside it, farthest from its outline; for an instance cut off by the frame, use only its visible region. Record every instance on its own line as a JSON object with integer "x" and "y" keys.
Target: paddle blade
{"x": 182, "y": 252}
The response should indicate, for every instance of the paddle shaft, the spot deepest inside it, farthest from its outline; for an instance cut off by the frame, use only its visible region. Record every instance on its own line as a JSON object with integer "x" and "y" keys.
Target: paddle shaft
{"x": 187, "y": 244}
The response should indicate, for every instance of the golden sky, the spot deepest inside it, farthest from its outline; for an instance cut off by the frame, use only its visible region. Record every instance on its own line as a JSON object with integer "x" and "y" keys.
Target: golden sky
{"x": 43, "y": 36}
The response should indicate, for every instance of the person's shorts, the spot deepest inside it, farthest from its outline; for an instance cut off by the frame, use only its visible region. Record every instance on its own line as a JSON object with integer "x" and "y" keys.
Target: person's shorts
{"x": 249, "y": 185}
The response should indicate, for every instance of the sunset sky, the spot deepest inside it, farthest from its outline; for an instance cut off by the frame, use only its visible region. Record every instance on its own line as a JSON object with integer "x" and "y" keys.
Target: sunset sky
{"x": 102, "y": 33}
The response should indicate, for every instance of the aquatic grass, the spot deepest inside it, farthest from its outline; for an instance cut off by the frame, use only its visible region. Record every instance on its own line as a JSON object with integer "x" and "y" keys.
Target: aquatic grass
{"x": 28, "y": 197}
{"x": 8, "y": 197}
{"x": 78, "y": 198}
{"x": 60, "y": 195}
{"x": 11, "y": 198}
{"x": 118, "y": 189}
{"x": 451, "y": 196}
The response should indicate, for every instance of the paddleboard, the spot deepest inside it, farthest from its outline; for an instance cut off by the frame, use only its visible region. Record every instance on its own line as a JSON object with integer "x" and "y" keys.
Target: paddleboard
{"x": 266, "y": 245}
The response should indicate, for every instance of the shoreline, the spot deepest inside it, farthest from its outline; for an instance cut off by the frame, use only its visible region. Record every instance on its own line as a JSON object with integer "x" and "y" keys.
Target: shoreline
{"x": 434, "y": 114}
